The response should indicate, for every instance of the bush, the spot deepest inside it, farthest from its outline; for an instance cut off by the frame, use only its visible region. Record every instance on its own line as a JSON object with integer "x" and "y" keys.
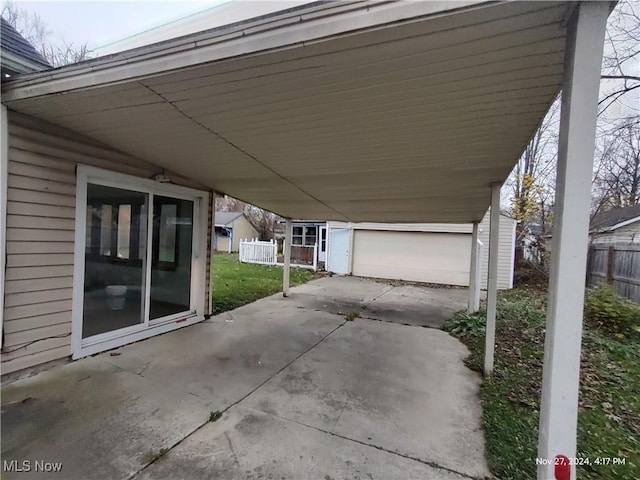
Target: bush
{"x": 529, "y": 274}
{"x": 466, "y": 324}
{"x": 609, "y": 312}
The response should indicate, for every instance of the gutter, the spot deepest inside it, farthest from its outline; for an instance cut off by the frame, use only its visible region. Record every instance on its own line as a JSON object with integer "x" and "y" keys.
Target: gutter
{"x": 297, "y": 27}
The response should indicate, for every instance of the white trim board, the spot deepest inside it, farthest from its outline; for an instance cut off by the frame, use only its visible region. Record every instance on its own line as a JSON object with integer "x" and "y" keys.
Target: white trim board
{"x": 4, "y": 176}
{"x": 617, "y": 225}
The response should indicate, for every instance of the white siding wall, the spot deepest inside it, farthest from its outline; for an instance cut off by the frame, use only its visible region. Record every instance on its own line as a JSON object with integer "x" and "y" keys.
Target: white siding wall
{"x": 457, "y": 250}
{"x": 505, "y": 251}
{"x": 40, "y": 236}
{"x": 626, "y": 234}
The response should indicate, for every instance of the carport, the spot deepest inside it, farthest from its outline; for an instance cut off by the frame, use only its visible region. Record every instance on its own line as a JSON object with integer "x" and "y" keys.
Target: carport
{"x": 367, "y": 111}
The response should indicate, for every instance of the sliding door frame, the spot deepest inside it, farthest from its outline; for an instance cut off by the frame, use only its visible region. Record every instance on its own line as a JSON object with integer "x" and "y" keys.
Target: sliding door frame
{"x": 113, "y": 339}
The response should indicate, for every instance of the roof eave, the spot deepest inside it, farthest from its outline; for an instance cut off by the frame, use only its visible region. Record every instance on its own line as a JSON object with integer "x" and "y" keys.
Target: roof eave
{"x": 316, "y": 23}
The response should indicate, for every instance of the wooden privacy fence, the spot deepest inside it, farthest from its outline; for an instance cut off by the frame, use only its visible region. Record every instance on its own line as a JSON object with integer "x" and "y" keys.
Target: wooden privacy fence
{"x": 617, "y": 265}
{"x": 254, "y": 251}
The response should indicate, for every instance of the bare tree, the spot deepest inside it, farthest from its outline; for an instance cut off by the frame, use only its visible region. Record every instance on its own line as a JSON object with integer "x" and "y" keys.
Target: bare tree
{"x": 622, "y": 56}
{"x": 31, "y": 26}
{"x": 615, "y": 181}
{"x": 265, "y": 222}
{"x": 617, "y": 176}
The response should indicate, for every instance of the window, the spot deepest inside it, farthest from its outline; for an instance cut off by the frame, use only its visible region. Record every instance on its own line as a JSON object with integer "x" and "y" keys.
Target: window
{"x": 124, "y": 230}
{"x": 310, "y": 236}
{"x": 298, "y": 235}
{"x": 114, "y": 225}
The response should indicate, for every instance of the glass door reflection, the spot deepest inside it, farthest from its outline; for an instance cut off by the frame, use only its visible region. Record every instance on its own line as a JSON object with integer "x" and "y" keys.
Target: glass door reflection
{"x": 115, "y": 253}
{"x": 171, "y": 257}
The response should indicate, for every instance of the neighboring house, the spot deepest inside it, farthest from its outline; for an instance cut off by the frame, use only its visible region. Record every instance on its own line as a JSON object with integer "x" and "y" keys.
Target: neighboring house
{"x": 430, "y": 252}
{"x": 231, "y": 227}
{"x": 18, "y": 55}
{"x": 309, "y": 233}
{"x": 618, "y": 225}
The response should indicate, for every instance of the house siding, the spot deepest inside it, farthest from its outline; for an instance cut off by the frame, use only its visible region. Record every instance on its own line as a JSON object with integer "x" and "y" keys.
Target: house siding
{"x": 626, "y": 234}
{"x": 41, "y": 190}
{"x": 242, "y": 228}
{"x": 452, "y": 240}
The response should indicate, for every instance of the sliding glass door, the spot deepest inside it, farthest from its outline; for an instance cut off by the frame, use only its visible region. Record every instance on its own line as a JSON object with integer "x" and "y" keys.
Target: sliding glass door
{"x": 115, "y": 259}
{"x": 138, "y": 260}
{"x": 172, "y": 241}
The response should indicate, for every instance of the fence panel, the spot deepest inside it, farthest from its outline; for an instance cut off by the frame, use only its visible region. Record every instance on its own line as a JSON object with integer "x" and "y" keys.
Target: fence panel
{"x": 254, "y": 251}
{"x": 617, "y": 265}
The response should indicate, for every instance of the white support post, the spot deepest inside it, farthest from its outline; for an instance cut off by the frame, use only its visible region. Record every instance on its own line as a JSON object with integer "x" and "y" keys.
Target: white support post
{"x": 476, "y": 300}
{"x": 315, "y": 257}
{"x": 473, "y": 271}
{"x": 4, "y": 166}
{"x": 492, "y": 279}
{"x": 576, "y": 144}
{"x": 212, "y": 247}
{"x": 286, "y": 270}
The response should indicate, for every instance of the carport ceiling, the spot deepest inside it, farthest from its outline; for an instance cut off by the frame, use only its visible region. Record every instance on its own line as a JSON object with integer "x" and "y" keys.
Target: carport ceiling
{"x": 361, "y": 111}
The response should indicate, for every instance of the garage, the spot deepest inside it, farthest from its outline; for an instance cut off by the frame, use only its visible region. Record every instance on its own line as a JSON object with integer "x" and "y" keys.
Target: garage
{"x": 429, "y": 252}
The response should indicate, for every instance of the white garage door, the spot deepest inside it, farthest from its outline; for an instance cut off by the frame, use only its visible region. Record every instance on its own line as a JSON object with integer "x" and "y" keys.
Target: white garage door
{"x": 416, "y": 256}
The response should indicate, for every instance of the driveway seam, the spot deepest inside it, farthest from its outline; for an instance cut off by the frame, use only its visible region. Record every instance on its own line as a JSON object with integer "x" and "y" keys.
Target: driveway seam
{"x": 377, "y": 447}
{"x": 398, "y": 323}
{"x": 233, "y": 404}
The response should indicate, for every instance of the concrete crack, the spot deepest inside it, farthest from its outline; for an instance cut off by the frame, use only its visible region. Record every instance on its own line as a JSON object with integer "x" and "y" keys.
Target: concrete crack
{"x": 377, "y": 447}
{"x": 167, "y": 450}
{"x": 233, "y": 450}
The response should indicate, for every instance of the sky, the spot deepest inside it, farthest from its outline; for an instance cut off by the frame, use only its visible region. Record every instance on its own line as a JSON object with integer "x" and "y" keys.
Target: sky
{"x": 101, "y": 22}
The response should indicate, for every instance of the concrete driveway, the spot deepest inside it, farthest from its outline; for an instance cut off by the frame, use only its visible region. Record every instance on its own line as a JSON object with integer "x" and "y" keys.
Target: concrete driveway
{"x": 304, "y": 392}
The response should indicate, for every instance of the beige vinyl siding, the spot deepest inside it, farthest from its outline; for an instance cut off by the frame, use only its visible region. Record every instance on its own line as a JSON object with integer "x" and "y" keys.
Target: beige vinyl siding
{"x": 242, "y": 228}
{"x": 41, "y": 200}
{"x": 222, "y": 244}
{"x": 506, "y": 251}
{"x": 428, "y": 252}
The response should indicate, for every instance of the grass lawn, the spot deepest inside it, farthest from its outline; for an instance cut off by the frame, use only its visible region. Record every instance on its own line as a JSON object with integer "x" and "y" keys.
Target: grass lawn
{"x": 236, "y": 284}
{"x": 609, "y": 408}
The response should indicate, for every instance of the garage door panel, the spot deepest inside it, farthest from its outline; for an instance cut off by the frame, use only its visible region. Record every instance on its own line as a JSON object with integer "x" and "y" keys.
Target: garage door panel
{"x": 415, "y": 256}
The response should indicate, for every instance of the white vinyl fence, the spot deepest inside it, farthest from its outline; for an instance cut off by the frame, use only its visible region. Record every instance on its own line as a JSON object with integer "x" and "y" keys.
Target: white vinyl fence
{"x": 266, "y": 253}
{"x": 254, "y": 251}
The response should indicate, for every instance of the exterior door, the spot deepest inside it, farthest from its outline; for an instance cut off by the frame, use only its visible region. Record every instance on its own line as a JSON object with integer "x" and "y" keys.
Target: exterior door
{"x": 139, "y": 260}
{"x": 322, "y": 246}
{"x": 339, "y": 241}
{"x": 115, "y": 259}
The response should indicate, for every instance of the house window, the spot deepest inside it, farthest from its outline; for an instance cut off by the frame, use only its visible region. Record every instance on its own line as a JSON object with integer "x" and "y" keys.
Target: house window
{"x": 298, "y": 236}
{"x": 310, "y": 236}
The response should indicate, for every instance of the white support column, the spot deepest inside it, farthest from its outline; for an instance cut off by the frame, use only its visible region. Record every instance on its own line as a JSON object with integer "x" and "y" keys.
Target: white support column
{"x": 473, "y": 270}
{"x": 212, "y": 247}
{"x": 492, "y": 279}
{"x": 286, "y": 270}
{"x": 561, "y": 372}
{"x": 4, "y": 166}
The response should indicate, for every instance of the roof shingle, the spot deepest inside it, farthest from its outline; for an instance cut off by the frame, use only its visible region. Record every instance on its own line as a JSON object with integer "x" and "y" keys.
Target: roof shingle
{"x": 605, "y": 220}
{"x": 11, "y": 41}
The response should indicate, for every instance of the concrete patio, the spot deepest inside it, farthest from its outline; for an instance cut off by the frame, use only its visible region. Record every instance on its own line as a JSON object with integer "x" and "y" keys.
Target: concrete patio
{"x": 304, "y": 393}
